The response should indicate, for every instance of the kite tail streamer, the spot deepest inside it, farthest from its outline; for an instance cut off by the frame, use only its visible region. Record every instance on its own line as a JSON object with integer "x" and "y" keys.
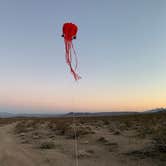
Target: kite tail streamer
{"x": 69, "y": 48}
{"x": 76, "y": 59}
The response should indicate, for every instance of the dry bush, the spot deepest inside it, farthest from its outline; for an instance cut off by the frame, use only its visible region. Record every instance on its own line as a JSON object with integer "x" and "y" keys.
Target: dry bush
{"x": 160, "y": 139}
{"x": 80, "y": 131}
{"x": 65, "y": 127}
{"x": 106, "y": 122}
{"x": 103, "y": 140}
{"x": 5, "y": 121}
{"x": 85, "y": 153}
{"x": 25, "y": 126}
{"x": 60, "y": 127}
{"x": 47, "y": 145}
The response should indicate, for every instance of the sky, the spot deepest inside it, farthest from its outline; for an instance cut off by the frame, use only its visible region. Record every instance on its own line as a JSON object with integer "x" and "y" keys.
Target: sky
{"x": 121, "y": 47}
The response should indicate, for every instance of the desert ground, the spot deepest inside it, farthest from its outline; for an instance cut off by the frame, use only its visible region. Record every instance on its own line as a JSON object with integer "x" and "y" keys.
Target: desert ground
{"x": 127, "y": 140}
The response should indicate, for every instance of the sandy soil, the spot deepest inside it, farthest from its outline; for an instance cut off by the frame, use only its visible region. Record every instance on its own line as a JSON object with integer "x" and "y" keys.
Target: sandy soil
{"x": 14, "y": 154}
{"x": 103, "y": 148}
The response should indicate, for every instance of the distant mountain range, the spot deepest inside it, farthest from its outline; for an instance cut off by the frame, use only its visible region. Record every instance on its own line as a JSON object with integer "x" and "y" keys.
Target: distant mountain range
{"x": 12, "y": 115}
{"x": 157, "y": 110}
{"x": 98, "y": 114}
{"x": 80, "y": 114}
{"x": 6, "y": 115}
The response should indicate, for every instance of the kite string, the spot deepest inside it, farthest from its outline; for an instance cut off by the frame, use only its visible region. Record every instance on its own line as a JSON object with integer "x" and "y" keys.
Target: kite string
{"x": 75, "y": 135}
{"x": 75, "y": 141}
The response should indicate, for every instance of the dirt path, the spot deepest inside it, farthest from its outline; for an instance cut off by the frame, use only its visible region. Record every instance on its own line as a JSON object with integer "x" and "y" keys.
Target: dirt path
{"x": 14, "y": 154}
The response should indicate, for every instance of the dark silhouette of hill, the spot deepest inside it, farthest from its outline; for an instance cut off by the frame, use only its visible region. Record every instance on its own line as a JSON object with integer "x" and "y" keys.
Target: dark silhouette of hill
{"x": 80, "y": 114}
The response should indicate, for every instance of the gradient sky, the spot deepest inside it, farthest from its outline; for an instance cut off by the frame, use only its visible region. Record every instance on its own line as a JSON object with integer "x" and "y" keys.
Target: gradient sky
{"x": 121, "y": 46}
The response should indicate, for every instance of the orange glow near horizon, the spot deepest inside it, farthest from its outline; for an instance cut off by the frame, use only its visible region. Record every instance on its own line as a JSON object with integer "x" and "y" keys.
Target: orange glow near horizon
{"x": 82, "y": 97}
{"x": 82, "y": 102}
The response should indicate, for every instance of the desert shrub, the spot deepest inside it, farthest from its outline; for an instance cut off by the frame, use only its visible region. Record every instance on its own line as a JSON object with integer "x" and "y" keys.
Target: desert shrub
{"x": 47, "y": 145}
{"x": 103, "y": 140}
{"x": 52, "y": 126}
{"x": 80, "y": 131}
{"x": 106, "y": 122}
{"x": 160, "y": 139}
{"x": 116, "y": 132}
{"x": 25, "y": 126}
{"x": 20, "y": 127}
{"x": 62, "y": 128}
{"x": 143, "y": 132}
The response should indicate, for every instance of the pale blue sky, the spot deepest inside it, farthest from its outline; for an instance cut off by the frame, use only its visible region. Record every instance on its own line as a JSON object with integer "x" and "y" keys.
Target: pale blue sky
{"x": 121, "y": 46}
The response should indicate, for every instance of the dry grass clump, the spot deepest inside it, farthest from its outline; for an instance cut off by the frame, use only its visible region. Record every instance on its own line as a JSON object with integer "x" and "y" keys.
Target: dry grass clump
{"x": 85, "y": 153}
{"x": 160, "y": 139}
{"x": 142, "y": 153}
{"x": 47, "y": 145}
{"x": 65, "y": 127}
{"x": 80, "y": 131}
{"x": 112, "y": 146}
{"x": 25, "y": 126}
{"x": 148, "y": 152}
{"x": 31, "y": 131}
{"x": 84, "y": 130}
{"x": 59, "y": 127}
{"x": 103, "y": 140}
{"x": 5, "y": 121}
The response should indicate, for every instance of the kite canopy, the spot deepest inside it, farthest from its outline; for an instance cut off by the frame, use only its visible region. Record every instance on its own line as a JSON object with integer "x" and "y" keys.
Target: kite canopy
{"x": 69, "y": 32}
